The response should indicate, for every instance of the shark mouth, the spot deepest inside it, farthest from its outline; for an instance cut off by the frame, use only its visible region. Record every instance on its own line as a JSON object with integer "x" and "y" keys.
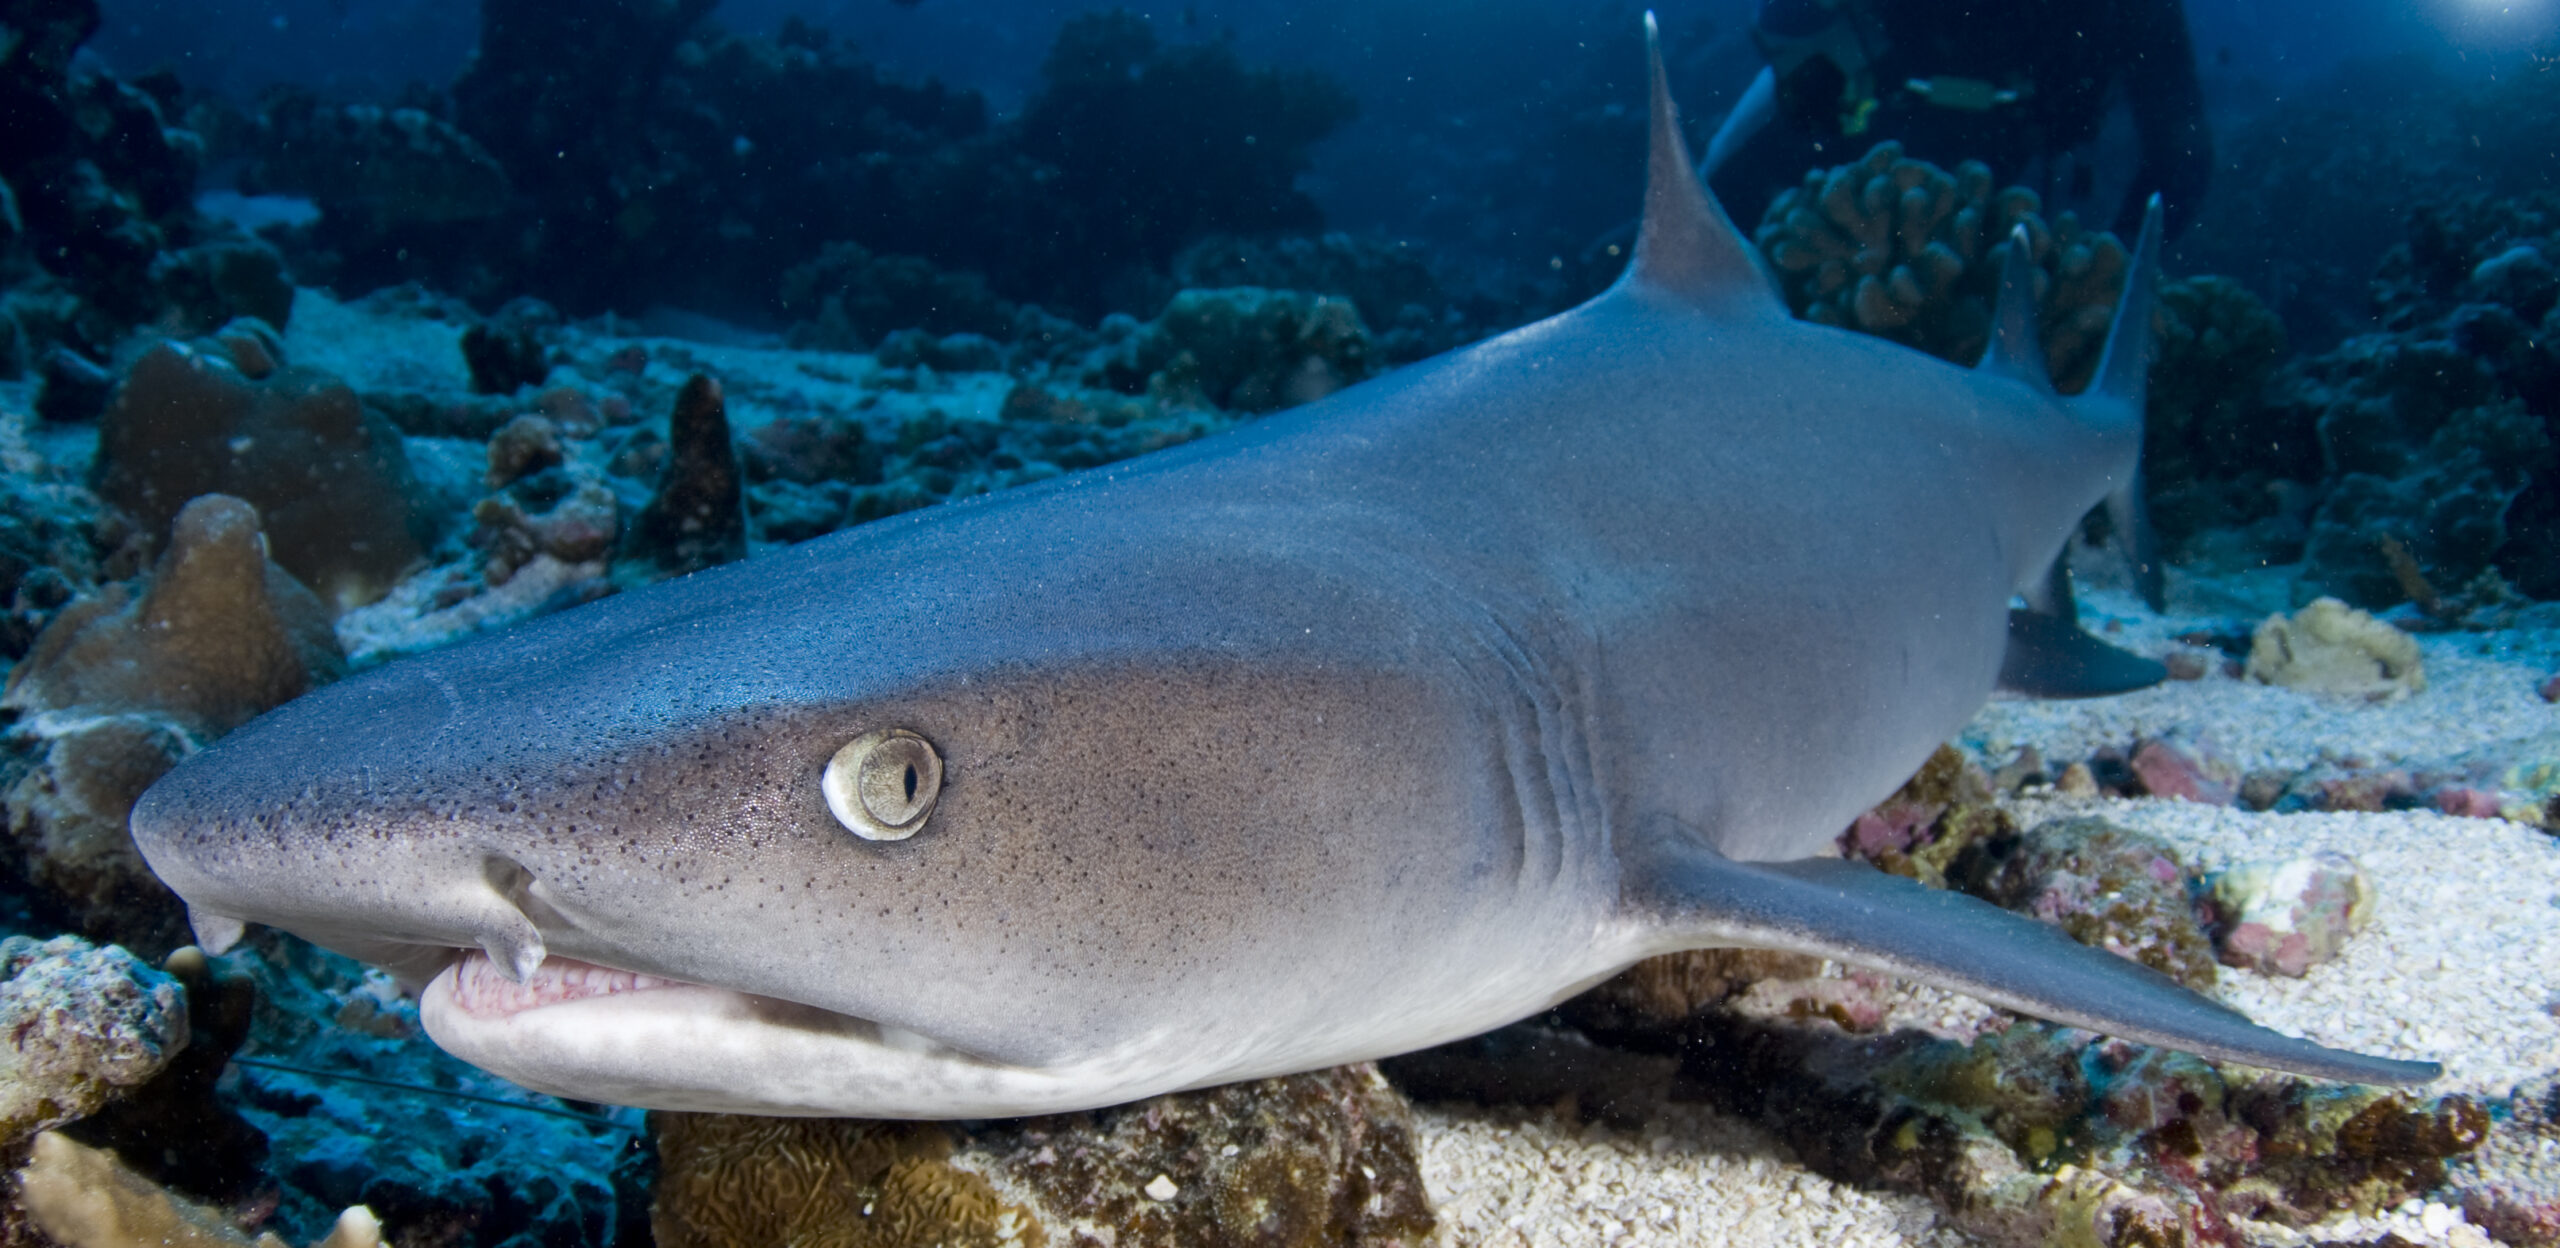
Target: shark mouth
{"x": 476, "y": 986}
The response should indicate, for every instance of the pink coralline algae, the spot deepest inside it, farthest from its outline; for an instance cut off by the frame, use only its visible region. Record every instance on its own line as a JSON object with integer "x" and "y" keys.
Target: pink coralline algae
{"x": 2283, "y": 918}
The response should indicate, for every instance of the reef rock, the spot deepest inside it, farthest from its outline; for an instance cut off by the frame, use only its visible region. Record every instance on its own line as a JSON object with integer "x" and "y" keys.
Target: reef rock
{"x": 848, "y": 299}
{"x": 529, "y": 443}
{"x": 390, "y": 167}
{"x": 697, "y": 517}
{"x": 565, "y": 512}
{"x": 2330, "y": 647}
{"x": 343, "y": 510}
{"x": 2283, "y": 918}
{"x": 2187, "y": 768}
{"x": 1905, "y": 250}
{"x": 2435, "y": 431}
{"x": 1389, "y": 283}
{"x": 1322, "y": 1158}
{"x": 1244, "y": 349}
{"x": 177, "y": 1127}
{"x": 2229, "y": 474}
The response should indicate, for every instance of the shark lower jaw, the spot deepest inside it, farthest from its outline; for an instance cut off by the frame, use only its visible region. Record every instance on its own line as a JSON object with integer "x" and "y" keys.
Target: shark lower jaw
{"x": 592, "y": 1033}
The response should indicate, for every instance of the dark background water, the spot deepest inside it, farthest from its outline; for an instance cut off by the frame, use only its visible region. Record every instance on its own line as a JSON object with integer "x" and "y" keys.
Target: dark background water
{"x": 1411, "y": 65}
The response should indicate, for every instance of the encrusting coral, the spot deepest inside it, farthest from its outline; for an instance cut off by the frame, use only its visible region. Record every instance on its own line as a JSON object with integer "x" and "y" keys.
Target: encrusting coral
{"x": 83, "y": 1197}
{"x": 1315, "y": 1159}
{"x": 1905, "y": 250}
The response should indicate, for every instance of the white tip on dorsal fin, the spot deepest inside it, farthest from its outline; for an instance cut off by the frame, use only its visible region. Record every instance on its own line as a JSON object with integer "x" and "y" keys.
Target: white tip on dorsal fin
{"x": 2124, "y": 372}
{"x": 2016, "y": 348}
{"x": 1687, "y": 246}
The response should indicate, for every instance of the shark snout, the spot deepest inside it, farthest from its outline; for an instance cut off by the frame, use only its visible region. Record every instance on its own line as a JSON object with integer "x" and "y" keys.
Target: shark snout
{"x": 402, "y": 888}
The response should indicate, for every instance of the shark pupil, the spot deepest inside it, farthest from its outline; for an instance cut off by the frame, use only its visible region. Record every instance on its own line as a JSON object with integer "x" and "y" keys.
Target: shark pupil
{"x": 911, "y": 782}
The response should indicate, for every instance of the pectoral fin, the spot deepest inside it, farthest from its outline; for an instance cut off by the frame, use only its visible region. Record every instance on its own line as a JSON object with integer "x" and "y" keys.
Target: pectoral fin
{"x": 1856, "y": 914}
{"x": 2050, "y": 656}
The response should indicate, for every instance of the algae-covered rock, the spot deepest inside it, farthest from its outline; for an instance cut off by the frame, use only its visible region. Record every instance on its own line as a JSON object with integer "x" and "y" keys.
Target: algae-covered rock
{"x": 2330, "y": 647}
{"x": 84, "y": 1197}
{"x": 1905, "y": 250}
{"x": 567, "y": 513}
{"x": 2283, "y": 918}
{"x": 342, "y": 507}
{"x": 85, "y": 1024}
{"x": 2108, "y": 886}
{"x": 1315, "y": 1159}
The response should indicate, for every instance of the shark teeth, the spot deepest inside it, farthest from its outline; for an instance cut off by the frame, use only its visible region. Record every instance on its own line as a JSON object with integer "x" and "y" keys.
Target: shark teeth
{"x": 482, "y": 989}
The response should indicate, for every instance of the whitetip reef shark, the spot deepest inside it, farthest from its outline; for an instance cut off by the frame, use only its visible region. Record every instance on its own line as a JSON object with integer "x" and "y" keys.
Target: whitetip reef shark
{"x": 1371, "y": 725}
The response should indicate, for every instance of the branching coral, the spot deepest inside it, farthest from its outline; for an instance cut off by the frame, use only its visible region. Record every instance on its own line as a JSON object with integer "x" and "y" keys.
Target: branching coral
{"x": 1905, "y": 250}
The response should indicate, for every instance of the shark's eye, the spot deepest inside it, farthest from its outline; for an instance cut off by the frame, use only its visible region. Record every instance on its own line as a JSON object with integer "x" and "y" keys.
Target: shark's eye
{"x": 881, "y": 785}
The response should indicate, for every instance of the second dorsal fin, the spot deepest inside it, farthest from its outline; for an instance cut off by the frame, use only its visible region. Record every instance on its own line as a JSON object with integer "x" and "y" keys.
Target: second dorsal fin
{"x": 1687, "y": 246}
{"x": 2017, "y": 349}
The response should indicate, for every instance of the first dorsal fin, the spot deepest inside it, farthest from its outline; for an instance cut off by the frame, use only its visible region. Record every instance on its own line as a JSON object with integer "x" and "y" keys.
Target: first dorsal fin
{"x": 1687, "y": 246}
{"x": 2016, "y": 348}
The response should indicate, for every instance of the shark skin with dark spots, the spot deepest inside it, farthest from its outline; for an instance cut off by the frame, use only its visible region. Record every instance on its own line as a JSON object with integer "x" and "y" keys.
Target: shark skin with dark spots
{"x": 1368, "y": 726}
